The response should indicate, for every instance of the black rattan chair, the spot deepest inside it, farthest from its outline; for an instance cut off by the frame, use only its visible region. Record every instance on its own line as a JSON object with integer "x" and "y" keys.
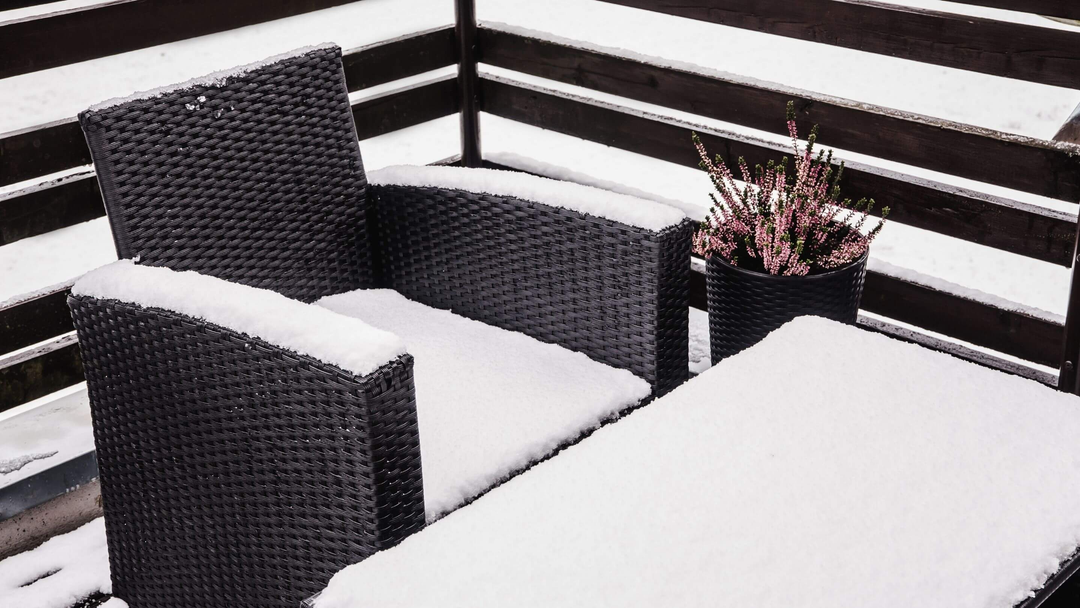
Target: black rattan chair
{"x": 255, "y": 177}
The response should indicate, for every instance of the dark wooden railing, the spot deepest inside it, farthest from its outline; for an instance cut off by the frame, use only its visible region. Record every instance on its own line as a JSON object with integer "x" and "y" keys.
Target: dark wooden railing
{"x": 983, "y": 45}
{"x": 43, "y": 319}
{"x": 977, "y": 44}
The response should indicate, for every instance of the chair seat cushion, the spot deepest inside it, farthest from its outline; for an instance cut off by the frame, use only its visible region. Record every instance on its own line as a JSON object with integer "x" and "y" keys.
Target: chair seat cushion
{"x": 489, "y": 401}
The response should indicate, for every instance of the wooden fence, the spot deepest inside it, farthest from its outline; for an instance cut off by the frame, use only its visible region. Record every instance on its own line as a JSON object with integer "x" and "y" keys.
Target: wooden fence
{"x": 993, "y": 47}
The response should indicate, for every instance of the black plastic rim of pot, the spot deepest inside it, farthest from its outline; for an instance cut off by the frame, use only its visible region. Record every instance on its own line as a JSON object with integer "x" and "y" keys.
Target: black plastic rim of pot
{"x": 745, "y": 305}
{"x": 861, "y": 260}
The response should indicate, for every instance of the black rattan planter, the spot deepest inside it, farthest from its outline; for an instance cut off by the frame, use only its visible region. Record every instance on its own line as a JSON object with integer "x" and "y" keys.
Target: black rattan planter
{"x": 744, "y": 306}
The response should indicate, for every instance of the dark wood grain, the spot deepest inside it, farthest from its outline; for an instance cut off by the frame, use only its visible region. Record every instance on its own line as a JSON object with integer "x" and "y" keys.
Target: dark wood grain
{"x": 40, "y": 371}
{"x": 66, "y": 37}
{"x": 1069, "y": 362}
{"x": 1029, "y": 231}
{"x": 1001, "y": 48}
{"x": 60, "y": 203}
{"x": 41, "y": 150}
{"x": 1011, "y": 161}
{"x": 405, "y": 108}
{"x": 1067, "y": 9}
{"x": 7, "y": 5}
{"x": 50, "y": 206}
{"x": 37, "y": 151}
{"x": 399, "y": 58}
{"x": 35, "y": 319}
{"x": 1009, "y": 332}
{"x": 467, "y": 86}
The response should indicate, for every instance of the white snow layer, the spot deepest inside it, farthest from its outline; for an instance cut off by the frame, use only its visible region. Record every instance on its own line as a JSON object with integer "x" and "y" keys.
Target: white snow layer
{"x": 214, "y": 79}
{"x": 45, "y": 436}
{"x": 310, "y": 330}
{"x": 489, "y": 401}
{"x": 623, "y": 208}
{"x": 60, "y": 571}
{"x": 826, "y": 466}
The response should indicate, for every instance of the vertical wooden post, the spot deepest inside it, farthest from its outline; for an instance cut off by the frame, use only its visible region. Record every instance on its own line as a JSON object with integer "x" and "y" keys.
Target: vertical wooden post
{"x": 1070, "y": 358}
{"x": 465, "y": 28}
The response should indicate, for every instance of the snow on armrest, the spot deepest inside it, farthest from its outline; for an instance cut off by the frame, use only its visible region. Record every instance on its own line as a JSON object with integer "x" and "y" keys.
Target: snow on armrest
{"x": 622, "y": 208}
{"x": 303, "y": 328}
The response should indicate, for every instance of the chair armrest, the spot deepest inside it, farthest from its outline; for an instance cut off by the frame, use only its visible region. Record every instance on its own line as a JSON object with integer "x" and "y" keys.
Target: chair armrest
{"x": 241, "y": 461}
{"x": 601, "y": 273}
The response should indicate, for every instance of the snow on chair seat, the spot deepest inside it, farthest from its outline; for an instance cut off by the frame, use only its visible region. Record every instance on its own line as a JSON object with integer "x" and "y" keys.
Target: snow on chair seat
{"x": 826, "y": 466}
{"x": 489, "y": 401}
{"x": 255, "y": 177}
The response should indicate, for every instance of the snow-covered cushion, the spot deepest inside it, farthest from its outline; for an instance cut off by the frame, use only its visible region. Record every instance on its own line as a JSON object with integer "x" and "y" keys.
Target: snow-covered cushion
{"x": 827, "y": 466}
{"x": 489, "y": 401}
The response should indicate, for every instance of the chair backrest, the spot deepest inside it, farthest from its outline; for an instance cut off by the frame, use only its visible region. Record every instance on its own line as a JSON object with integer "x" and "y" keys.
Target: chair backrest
{"x": 252, "y": 175}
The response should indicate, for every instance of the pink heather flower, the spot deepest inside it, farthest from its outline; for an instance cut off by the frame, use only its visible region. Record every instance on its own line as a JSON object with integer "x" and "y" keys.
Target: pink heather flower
{"x": 782, "y": 223}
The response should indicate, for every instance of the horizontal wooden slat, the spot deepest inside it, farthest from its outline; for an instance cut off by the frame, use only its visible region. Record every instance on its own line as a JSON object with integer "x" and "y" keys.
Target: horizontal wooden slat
{"x": 1040, "y": 167}
{"x": 1001, "y": 48}
{"x": 37, "y": 151}
{"x": 405, "y": 108}
{"x": 35, "y": 319}
{"x": 979, "y": 323}
{"x": 50, "y": 206}
{"x": 7, "y": 5}
{"x": 65, "y": 37}
{"x": 68, "y": 201}
{"x": 40, "y": 371}
{"x": 1009, "y": 332}
{"x": 1013, "y": 333}
{"x": 1068, "y": 9}
{"x": 399, "y": 58}
{"x": 930, "y": 340}
{"x": 1031, "y": 231}
{"x": 56, "y": 365}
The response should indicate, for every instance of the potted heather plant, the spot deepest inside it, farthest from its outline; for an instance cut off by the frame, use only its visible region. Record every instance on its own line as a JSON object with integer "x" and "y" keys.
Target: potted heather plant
{"x": 781, "y": 245}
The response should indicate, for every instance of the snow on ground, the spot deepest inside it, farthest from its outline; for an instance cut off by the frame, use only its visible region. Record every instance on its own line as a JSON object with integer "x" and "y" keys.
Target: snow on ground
{"x": 523, "y": 398}
{"x": 37, "y": 438}
{"x": 59, "y": 572}
{"x": 961, "y": 486}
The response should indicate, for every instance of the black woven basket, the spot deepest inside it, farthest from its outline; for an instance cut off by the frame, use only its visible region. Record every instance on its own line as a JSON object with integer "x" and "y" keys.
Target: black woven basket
{"x": 744, "y": 306}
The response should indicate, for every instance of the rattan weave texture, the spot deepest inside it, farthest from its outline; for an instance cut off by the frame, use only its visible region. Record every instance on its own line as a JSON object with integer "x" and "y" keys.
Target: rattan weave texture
{"x": 233, "y": 472}
{"x": 256, "y": 179}
{"x": 615, "y": 292}
{"x": 238, "y": 474}
{"x": 745, "y": 306}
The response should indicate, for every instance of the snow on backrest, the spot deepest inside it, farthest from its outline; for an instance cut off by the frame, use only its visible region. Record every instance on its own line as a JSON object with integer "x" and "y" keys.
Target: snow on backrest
{"x": 309, "y": 330}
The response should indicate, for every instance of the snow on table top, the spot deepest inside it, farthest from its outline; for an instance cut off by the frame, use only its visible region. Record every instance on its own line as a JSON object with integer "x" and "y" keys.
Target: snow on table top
{"x": 489, "y": 401}
{"x": 61, "y": 571}
{"x": 310, "y": 330}
{"x": 623, "y": 208}
{"x": 826, "y": 466}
